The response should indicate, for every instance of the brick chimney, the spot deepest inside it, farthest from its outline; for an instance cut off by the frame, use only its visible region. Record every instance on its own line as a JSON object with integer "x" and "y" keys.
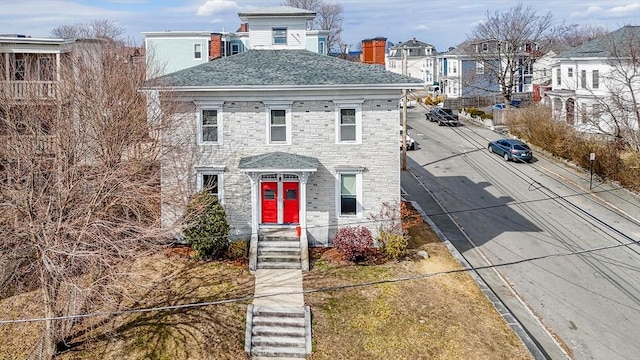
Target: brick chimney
{"x": 373, "y": 50}
{"x": 244, "y": 27}
{"x": 215, "y": 46}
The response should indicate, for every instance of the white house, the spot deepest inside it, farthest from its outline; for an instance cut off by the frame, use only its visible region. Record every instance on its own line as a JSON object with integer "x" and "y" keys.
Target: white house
{"x": 285, "y": 137}
{"x": 169, "y": 51}
{"x": 588, "y": 78}
{"x": 420, "y": 60}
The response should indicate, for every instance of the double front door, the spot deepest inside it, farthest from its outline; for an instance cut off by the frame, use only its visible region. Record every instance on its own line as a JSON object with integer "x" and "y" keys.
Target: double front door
{"x": 279, "y": 201}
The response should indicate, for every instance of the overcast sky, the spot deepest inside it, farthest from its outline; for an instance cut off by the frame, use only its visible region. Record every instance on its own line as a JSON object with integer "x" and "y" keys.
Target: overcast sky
{"x": 442, "y": 23}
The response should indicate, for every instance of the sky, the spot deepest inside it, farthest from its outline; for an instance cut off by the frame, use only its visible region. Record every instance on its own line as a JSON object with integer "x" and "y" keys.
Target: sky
{"x": 442, "y": 23}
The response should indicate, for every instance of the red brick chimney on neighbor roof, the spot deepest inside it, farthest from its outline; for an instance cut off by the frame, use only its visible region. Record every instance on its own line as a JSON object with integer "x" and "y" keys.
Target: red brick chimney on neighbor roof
{"x": 215, "y": 46}
{"x": 244, "y": 27}
{"x": 373, "y": 50}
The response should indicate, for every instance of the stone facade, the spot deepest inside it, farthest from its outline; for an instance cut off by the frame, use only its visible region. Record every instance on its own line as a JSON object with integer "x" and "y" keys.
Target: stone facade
{"x": 313, "y": 133}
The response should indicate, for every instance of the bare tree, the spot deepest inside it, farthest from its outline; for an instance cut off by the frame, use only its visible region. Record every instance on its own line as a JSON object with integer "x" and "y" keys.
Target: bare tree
{"x": 95, "y": 29}
{"x": 573, "y": 35}
{"x": 507, "y": 43}
{"x": 328, "y": 17}
{"x": 79, "y": 184}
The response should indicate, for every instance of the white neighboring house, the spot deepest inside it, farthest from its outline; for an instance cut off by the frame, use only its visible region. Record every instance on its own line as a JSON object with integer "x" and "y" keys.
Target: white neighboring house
{"x": 420, "y": 57}
{"x": 169, "y": 51}
{"x": 285, "y": 138}
{"x": 587, "y": 78}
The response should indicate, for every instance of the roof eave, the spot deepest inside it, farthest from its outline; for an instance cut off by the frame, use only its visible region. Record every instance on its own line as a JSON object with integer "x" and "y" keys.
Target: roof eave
{"x": 286, "y": 88}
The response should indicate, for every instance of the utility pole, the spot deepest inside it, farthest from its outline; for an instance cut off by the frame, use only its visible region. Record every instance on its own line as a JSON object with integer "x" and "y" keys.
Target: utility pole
{"x": 404, "y": 112}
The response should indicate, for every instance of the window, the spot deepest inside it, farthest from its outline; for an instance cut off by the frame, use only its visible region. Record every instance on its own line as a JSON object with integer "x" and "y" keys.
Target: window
{"x": 20, "y": 70}
{"x": 209, "y": 118}
{"x": 210, "y": 179}
{"x": 278, "y": 126}
{"x": 235, "y": 49}
{"x": 210, "y": 126}
{"x": 279, "y": 36}
{"x": 570, "y": 72}
{"x": 558, "y": 77}
{"x": 348, "y": 194}
{"x": 479, "y": 67}
{"x": 596, "y": 110}
{"x": 347, "y": 125}
{"x": 348, "y": 121}
{"x": 583, "y": 79}
{"x": 485, "y": 47}
{"x": 197, "y": 51}
{"x": 595, "y": 79}
{"x": 321, "y": 49}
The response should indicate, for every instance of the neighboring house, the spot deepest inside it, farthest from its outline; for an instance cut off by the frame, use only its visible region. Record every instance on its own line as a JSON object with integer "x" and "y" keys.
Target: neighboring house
{"x": 541, "y": 81}
{"x": 169, "y": 51}
{"x": 466, "y": 70}
{"x": 590, "y": 77}
{"x": 31, "y": 73}
{"x": 283, "y": 136}
{"x": 420, "y": 60}
{"x": 460, "y": 75}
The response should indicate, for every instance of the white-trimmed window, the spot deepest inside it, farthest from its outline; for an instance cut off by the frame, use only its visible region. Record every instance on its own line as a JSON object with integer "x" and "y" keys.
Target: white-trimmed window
{"x": 583, "y": 79}
{"x": 595, "y": 79}
{"x": 197, "y": 51}
{"x": 279, "y": 36}
{"x": 558, "y": 77}
{"x": 479, "y": 67}
{"x": 570, "y": 72}
{"x": 209, "y": 119}
{"x": 348, "y": 121}
{"x": 278, "y": 122}
{"x": 211, "y": 180}
{"x": 321, "y": 48}
{"x": 349, "y": 192}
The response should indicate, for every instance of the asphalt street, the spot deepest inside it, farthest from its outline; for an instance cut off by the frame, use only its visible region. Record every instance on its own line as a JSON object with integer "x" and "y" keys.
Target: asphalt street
{"x": 563, "y": 258}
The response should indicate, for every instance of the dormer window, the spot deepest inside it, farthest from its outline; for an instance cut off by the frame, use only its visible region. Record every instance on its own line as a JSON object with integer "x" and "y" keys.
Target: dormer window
{"x": 279, "y": 36}
{"x": 485, "y": 47}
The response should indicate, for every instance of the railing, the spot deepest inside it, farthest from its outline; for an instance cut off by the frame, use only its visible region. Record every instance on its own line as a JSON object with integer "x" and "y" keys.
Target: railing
{"x": 43, "y": 145}
{"x": 22, "y": 90}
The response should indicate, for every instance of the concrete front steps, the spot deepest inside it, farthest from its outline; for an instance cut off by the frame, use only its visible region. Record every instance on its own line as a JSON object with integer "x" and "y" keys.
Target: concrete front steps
{"x": 278, "y": 332}
{"x": 276, "y": 252}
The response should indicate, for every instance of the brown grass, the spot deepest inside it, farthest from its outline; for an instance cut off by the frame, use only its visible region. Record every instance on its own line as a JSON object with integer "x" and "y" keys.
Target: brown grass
{"x": 439, "y": 317}
{"x": 614, "y": 160}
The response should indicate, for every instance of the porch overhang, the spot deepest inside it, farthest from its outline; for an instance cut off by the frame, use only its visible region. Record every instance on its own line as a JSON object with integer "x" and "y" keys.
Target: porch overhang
{"x": 278, "y": 161}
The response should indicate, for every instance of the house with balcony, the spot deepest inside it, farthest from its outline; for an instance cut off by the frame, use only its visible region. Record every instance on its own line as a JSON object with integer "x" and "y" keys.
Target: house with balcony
{"x": 286, "y": 138}
{"x": 169, "y": 51}
{"x": 420, "y": 60}
{"x": 31, "y": 73}
{"x": 593, "y": 85}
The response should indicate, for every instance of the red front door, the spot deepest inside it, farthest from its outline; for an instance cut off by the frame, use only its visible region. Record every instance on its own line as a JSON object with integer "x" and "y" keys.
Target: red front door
{"x": 269, "y": 196}
{"x": 291, "y": 203}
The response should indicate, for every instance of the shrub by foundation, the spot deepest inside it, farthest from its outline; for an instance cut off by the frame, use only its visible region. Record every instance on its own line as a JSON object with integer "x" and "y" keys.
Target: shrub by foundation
{"x": 353, "y": 242}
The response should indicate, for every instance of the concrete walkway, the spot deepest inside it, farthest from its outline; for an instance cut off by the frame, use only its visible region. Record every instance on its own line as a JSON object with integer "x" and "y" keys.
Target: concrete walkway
{"x": 278, "y": 288}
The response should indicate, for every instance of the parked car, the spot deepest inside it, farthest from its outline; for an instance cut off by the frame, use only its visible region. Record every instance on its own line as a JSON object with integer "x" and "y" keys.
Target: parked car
{"x": 444, "y": 116}
{"x": 410, "y": 103}
{"x": 411, "y": 144}
{"x": 513, "y": 103}
{"x": 511, "y": 149}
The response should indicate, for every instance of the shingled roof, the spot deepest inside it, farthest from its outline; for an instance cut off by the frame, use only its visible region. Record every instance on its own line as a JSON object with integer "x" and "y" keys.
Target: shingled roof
{"x": 297, "y": 68}
{"x": 602, "y": 46}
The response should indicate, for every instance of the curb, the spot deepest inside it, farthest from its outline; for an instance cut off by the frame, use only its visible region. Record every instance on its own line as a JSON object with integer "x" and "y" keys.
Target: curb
{"x": 514, "y": 324}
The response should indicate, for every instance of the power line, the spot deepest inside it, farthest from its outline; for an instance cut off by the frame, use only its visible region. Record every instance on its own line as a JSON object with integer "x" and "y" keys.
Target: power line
{"x": 309, "y": 291}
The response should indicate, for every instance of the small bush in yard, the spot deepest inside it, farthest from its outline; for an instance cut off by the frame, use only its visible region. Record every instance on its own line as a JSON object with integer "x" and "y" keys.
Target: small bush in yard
{"x": 238, "y": 250}
{"x": 353, "y": 242}
{"x": 208, "y": 229}
{"x": 393, "y": 245}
